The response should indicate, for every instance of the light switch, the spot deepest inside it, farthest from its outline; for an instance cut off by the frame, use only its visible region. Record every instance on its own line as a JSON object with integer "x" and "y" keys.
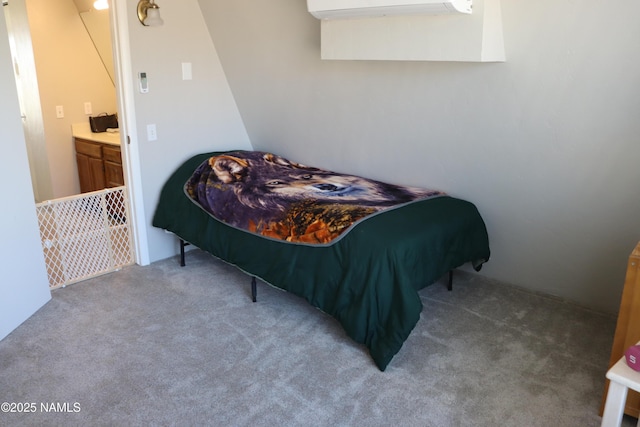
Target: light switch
{"x": 59, "y": 111}
{"x": 186, "y": 71}
{"x": 87, "y": 108}
{"x": 151, "y": 133}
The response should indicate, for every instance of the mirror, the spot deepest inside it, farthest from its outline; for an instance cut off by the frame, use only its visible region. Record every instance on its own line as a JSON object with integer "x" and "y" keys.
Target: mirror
{"x": 97, "y": 24}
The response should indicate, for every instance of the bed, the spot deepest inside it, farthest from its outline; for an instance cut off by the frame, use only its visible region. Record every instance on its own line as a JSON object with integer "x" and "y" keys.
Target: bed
{"x": 367, "y": 278}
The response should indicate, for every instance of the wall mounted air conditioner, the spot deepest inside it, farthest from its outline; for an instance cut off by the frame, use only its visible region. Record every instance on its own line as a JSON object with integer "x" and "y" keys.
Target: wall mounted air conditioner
{"x": 335, "y": 9}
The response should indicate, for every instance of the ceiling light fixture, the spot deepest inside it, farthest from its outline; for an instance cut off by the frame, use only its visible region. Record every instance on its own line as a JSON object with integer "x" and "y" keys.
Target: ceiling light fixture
{"x": 101, "y": 4}
{"x": 149, "y": 13}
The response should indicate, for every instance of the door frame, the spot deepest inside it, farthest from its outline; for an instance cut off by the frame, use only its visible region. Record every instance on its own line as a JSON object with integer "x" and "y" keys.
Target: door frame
{"x": 125, "y": 90}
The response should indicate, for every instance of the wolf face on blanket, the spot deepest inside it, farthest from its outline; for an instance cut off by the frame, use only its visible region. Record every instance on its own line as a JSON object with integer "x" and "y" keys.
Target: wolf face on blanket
{"x": 274, "y": 197}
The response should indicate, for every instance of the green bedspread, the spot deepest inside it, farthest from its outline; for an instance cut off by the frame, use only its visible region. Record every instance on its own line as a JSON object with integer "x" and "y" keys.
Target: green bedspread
{"x": 368, "y": 280}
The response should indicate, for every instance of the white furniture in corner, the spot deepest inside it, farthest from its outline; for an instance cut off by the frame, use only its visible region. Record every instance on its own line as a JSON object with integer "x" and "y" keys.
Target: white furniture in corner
{"x": 622, "y": 379}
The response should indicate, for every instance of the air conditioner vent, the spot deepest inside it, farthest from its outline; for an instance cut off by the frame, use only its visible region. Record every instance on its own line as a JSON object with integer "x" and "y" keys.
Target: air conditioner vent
{"x": 336, "y": 9}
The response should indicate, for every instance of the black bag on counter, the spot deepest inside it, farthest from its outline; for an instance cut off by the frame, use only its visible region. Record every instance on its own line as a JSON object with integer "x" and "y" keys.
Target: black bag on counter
{"x": 101, "y": 122}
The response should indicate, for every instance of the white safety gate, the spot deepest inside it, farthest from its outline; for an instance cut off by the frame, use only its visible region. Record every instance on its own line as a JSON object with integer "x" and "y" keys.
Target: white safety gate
{"x": 86, "y": 235}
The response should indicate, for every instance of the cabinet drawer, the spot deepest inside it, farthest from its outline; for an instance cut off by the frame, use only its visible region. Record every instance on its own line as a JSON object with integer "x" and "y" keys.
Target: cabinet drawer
{"x": 111, "y": 154}
{"x": 88, "y": 148}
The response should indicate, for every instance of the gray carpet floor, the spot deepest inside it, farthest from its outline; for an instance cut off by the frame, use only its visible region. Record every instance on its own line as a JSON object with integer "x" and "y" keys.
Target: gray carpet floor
{"x": 163, "y": 345}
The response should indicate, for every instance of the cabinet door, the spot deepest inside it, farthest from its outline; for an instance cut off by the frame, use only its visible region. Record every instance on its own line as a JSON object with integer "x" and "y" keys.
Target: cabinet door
{"x": 84, "y": 173}
{"x": 90, "y": 165}
{"x": 113, "y": 174}
{"x": 97, "y": 174}
{"x": 112, "y": 166}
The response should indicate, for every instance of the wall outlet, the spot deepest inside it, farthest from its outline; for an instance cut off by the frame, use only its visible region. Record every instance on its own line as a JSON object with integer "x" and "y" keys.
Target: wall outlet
{"x": 151, "y": 133}
{"x": 59, "y": 111}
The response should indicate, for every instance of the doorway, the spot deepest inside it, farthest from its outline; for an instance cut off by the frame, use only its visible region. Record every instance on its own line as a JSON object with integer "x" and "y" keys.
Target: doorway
{"x": 64, "y": 75}
{"x": 63, "y": 79}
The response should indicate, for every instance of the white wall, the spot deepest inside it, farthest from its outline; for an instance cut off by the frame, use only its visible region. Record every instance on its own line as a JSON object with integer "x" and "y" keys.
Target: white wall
{"x": 191, "y": 116}
{"x": 24, "y": 287}
{"x": 545, "y": 144}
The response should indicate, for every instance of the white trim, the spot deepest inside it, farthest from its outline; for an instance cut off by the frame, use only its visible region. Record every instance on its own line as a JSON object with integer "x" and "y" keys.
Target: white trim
{"x": 125, "y": 87}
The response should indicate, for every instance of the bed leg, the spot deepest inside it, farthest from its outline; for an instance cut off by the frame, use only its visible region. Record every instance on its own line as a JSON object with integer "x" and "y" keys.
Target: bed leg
{"x": 450, "y": 284}
{"x": 254, "y": 290}
{"x": 182, "y": 245}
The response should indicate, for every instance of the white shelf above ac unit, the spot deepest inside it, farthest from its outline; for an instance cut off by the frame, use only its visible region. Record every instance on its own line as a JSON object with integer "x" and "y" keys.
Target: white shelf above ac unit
{"x": 475, "y": 37}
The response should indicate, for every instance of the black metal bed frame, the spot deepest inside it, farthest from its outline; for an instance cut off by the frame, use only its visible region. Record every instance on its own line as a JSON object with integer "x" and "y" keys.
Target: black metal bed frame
{"x": 254, "y": 290}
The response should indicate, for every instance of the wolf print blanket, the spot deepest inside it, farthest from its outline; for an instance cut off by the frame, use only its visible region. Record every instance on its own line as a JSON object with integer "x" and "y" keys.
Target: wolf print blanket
{"x": 271, "y": 196}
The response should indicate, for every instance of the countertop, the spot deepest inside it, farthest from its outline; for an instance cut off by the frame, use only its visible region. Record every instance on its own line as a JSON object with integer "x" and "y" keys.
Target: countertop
{"x": 83, "y": 131}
